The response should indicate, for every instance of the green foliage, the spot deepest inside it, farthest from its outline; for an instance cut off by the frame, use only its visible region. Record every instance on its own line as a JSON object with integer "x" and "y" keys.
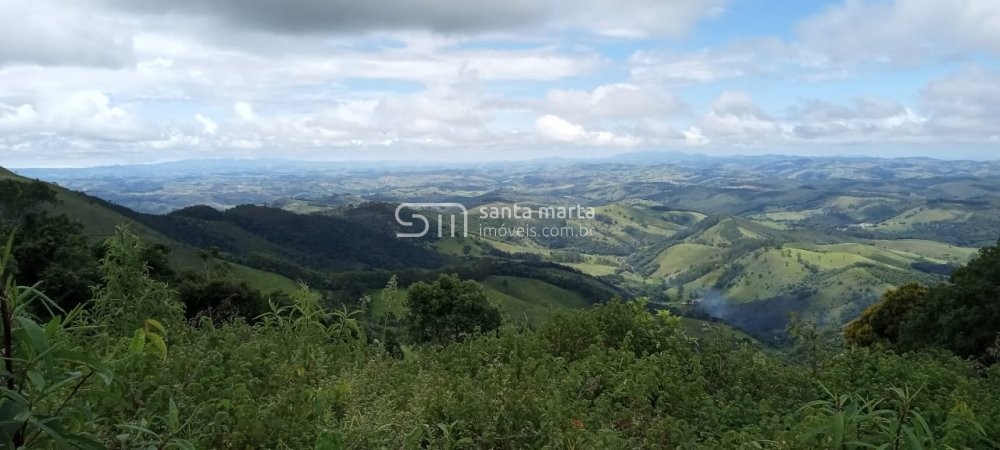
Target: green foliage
{"x": 128, "y": 294}
{"x": 42, "y": 372}
{"x": 880, "y": 323}
{"x": 18, "y": 198}
{"x": 962, "y": 316}
{"x": 448, "y": 310}
{"x": 616, "y": 324}
{"x": 305, "y": 376}
{"x": 891, "y": 421}
{"x": 52, "y": 249}
{"x": 222, "y": 299}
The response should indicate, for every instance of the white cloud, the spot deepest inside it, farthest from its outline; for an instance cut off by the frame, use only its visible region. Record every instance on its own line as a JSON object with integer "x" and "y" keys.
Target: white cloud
{"x": 903, "y": 31}
{"x": 694, "y": 137}
{"x": 101, "y": 78}
{"x": 638, "y": 18}
{"x": 734, "y": 118}
{"x": 18, "y": 119}
{"x": 619, "y": 100}
{"x": 555, "y": 129}
{"x": 243, "y": 110}
{"x": 86, "y": 114}
{"x": 209, "y": 126}
{"x": 698, "y": 67}
{"x": 54, "y": 33}
{"x": 965, "y": 104}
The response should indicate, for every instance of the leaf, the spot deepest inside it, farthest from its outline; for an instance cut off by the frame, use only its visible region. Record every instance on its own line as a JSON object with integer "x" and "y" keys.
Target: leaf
{"x": 105, "y": 375}
{"x": 155, "y": 325}
{"x": 173, "y": 416}
{"x": 158, "y": 344}
{"x": 53, "y": 326}
{"x": 86, "y": 442}
{"x": 327, "y": 440}
{"x": 7, "y": 250}
{"x": 40, "y": 424}
{"x": 925, "y": 428}
{"x": 36, "y": 379}
{"x": 138, "y": 429}
{"x": 838, "y": 430}
{"x": 69, "y": 379}
{"x": 138, "y": 342}
{"x": 35, "y": 336}
{"x": 99, "y": 369}
{"x": 914, "y": 442}
{"x": 182, "y": 444}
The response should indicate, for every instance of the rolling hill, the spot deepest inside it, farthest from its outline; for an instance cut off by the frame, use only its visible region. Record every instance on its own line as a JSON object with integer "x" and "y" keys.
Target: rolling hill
{"x": 100, "y": 219}
{"x": 343, "y": 254}
{"x": 748, "y": 238}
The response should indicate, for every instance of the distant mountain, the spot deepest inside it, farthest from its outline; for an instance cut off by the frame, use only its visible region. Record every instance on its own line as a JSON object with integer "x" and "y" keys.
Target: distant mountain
{"x": 749, "y": 239}
{"x": 722, "y": 185}
{"x": 346, "y": 254}
{"x": 324, "y": 243}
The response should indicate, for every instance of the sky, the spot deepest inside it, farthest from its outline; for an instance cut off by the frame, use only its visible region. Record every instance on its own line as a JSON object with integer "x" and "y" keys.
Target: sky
{"x": 97, "y": 82}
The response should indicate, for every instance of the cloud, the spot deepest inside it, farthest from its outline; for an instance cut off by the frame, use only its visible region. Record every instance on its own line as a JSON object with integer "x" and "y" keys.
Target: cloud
{"x": 209, "y": 126}
{"x": 554, "y": 129}
{"x": 557, "y": 129}
{"x": 737, "y": 130}
{"x": 84, "y": 115}
{"x": 153, "y": 79}
{"x": 618, "y": 100}
{"x": 51, "y": 33}
{"x": 243, "y": 110}
{"x": 17, "y": 119}
{"x": 964, "y": 104}
{"x": 699, "y": 67}
{"x": 639, "y": 18}
{"x": 761, "y": 57}
{"x": 626, "y": 18}
{"x": 903, "y": 31}
{"x": 734, "y": 118}
{"x": 348, "y": 16}
{"x": 865, "y": 108}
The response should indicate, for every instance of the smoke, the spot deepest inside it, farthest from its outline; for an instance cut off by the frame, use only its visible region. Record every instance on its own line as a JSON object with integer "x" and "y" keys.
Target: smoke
{"x": 763, "y": 319}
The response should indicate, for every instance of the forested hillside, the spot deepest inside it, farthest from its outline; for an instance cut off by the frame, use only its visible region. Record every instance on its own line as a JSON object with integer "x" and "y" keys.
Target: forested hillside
{"x": 743, "y": 240}
{"x": 140, "y": 353}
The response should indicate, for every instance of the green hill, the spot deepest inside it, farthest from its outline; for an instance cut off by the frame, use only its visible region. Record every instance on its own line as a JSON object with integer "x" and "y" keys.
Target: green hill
{"x": 825, "y": 276}
{"x": 521, "y": 300}
{"x": 100, "y": 219}
{"x": 343, "y": 253}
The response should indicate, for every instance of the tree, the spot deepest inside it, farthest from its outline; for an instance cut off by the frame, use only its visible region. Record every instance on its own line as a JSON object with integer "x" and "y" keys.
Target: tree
{"x": 449, "y": 309}
{"x": 222, "y": 299}
{"x": 962, "y": 316}
{"x": 51, "y": 250}
{"x": 18, "y": 198}
{"x": 128, "y": 295}
{"x": 880, "y": 323}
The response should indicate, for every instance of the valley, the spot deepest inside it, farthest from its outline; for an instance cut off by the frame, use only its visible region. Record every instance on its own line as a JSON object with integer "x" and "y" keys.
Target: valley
{"x": 822, "y": 238}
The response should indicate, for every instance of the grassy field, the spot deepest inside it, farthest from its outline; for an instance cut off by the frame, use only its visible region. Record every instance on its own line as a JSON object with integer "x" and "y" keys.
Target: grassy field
{"x": 702, "y": 329}
{"x": 521, "y": 300}
{"x": 266, "y": 282}
{"x": 922, "y": 215}
{"x": 681, "y": 257}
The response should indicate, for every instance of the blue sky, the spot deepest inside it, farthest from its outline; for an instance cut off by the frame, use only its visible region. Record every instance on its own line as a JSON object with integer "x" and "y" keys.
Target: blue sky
{"x": 104, "y": 81}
